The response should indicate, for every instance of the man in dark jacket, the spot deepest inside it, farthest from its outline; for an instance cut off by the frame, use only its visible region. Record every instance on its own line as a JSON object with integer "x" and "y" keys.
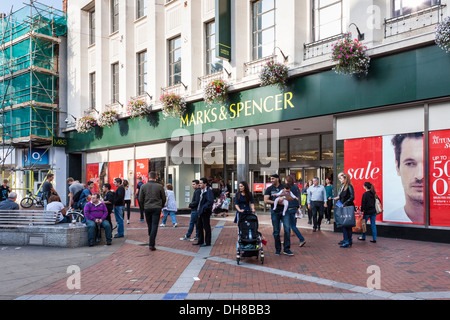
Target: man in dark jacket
{"x": 194, "y": 214}
{"x": 153, "y": 198}
{"x": 204, "y": 210}
{"x": 119, "y": 205}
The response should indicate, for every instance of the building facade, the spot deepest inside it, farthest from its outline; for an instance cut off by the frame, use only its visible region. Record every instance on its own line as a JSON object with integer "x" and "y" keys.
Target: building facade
{"x": 32, "y": 97}
{"x": 320, "y": 124}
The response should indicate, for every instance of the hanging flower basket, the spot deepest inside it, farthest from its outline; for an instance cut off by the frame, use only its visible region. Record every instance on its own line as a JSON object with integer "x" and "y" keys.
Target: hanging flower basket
{"x": 173, "y": 105}
{"x": 274, "y": 73}
{"x": 216, "y": 92}
{"x": 107, "y": 118}
{"x": 85, "y": 124}
{"x": 138, "y": 108}
{"x": 443, "y": 35}
{"x": 351, "y": 57}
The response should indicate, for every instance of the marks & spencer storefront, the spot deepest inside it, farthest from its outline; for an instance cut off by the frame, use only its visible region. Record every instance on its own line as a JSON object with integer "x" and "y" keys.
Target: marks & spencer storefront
{"x": 323, "y": 123}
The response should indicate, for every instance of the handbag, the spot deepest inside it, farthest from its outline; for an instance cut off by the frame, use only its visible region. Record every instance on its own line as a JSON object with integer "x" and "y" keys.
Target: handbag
{"x": 378, "y": 206}
{"x": 345, "y": 216}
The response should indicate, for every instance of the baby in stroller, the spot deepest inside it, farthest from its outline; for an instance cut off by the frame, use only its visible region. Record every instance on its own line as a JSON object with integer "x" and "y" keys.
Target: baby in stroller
{"x": 281, "y": 196}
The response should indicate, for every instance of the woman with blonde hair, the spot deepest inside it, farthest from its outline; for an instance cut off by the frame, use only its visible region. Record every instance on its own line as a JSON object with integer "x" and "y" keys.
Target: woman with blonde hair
{"x": 346, "y": 197}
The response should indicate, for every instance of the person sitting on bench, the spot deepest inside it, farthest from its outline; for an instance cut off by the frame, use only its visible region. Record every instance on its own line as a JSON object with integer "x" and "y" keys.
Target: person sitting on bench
{"x": 10, "y": 203}
{"x": 95, "y": 212}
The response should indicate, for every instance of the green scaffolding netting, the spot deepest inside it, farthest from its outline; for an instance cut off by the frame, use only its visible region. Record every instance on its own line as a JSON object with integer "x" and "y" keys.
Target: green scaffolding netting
{"x": 30, "y": 86}
{"x": 24, "y": 54}
{"x": 28, "y": 74}
{"x": 34, "y": 17}
{"x": 27, "y": 122}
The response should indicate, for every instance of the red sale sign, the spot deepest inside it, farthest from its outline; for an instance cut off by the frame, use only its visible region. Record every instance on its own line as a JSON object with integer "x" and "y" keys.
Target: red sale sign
{"x": 92, "y": 174}
{"x": 115, "y": 171}
{"x": 363, "y": 161}
{"x": 439, "y": 161}
{"x": 141, "y": 170}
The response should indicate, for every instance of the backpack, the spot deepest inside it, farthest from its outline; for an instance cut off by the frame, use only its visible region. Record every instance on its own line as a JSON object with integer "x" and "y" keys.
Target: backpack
{"x": 76, "y": 196}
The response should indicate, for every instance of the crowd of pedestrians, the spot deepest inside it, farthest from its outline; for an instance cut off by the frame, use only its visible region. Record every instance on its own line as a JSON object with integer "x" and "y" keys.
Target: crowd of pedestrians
{"x": 287, "y": 203}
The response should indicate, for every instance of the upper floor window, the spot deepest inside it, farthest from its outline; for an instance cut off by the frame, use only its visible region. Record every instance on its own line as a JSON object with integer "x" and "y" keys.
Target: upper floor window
{"x": 212, "y": 63}
{"x": 402, "y": 7}
{"x": 142, "y": 73}
{"x": 327, "y": 19}
{"x": 114, "y": 15}
{"x": 174, "y": 61}
{"x": 141, "y": 8}
{"x": 91, "y": 27}
{"x": 263, "y": 16}
{"x": 92, "y": 90}
{"x": 115, "y": 82}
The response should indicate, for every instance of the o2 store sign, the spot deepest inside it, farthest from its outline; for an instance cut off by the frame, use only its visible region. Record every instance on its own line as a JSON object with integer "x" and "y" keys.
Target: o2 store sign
{"x": 35, "y": 157}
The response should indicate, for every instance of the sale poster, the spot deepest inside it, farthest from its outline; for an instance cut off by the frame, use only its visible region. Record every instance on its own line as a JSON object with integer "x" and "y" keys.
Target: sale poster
{"x": 115, "y": 171}
{"x": 439, "y": 177}
{"x": 363, "y": 162}
{"x": 92, "y": 174}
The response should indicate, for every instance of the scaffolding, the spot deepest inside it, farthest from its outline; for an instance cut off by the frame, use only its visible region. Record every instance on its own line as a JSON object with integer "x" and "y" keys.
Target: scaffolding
{"x": 29, "y": 106}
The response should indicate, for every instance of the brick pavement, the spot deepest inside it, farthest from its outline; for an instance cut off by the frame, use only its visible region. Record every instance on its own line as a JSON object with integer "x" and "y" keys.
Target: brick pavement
{"x": 319, "y": 270}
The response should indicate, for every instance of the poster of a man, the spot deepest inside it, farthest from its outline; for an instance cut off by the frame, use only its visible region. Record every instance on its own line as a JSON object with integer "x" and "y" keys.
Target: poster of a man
{"x": 403, "y": 157}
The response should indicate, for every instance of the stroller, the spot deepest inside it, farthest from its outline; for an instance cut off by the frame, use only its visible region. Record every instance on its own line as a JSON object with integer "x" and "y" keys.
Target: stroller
{"x": 250, "y": 241}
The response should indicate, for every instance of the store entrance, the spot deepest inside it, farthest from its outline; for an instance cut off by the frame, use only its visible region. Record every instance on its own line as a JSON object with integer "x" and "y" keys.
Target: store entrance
{"x": 259, "y": 181}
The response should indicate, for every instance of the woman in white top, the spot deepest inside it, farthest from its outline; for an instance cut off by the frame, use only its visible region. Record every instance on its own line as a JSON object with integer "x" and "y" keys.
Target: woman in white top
{"x": 170, "y": 207}
{"x": 127, "y": 199}
{"x": 55, "y": 204}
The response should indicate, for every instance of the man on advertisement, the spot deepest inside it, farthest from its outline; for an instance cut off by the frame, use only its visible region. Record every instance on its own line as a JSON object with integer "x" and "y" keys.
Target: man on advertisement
{"x": 409, "y": 166}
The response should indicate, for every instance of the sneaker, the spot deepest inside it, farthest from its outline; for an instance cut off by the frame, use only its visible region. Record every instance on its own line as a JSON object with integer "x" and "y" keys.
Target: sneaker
{"x": 141, "y": 220}
{"x": 277, "y": 253}
{"x": 162, "y": 225}
{"x": 288, "y": 253}
{"x": 128, "y": 221}
{"x": 302, "y": 243}
{"x": 185, "y": 238}
{"x": 194, "y": 239}
{"x": 175, "y": 225}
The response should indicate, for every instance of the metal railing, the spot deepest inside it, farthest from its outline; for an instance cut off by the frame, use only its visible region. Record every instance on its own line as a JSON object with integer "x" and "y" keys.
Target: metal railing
{"x": 321, "y": 47}
{"x": 178, "y": 88}
{"x": 256, "y": 66}
{"x": 413, "y": 21}
{"x": 205, "y": 80}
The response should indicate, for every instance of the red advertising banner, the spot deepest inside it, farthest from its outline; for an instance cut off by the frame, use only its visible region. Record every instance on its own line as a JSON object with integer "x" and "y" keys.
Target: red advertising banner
{"x": 115, "y": 170}
{"x": 363, "y": 161}
{"x": 92, "y": 174}
{"x": 141, "y": 170}
{"x": 439, "y": 163}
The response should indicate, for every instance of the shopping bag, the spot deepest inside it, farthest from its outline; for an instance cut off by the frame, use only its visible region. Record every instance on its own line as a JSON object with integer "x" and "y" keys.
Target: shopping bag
{"x": 358, "y": 228}
{"x": 344, "y": 216}
{"x": 364, "y": 225}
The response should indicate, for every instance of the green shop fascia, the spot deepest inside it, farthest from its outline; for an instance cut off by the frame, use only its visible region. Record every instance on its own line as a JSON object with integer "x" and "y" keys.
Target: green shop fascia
{"x": 415, "y": 75}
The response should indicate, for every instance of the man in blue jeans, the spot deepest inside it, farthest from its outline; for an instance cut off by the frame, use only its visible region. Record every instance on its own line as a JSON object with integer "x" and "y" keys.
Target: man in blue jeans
{"x": 194, "y": 214}
{"x": 278, "y": 217}
{"x": 119, "y": 205}
{"x": 293, "y": 208}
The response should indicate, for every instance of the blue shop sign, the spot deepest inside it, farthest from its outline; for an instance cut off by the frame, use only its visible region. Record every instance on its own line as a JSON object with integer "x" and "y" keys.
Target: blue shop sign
{"x": 35, "y": 157}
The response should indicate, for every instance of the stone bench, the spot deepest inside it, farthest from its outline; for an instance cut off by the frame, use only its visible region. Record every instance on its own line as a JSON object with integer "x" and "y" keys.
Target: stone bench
{"x": 60, "y": 235}
{"x": 27, "y": 227}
